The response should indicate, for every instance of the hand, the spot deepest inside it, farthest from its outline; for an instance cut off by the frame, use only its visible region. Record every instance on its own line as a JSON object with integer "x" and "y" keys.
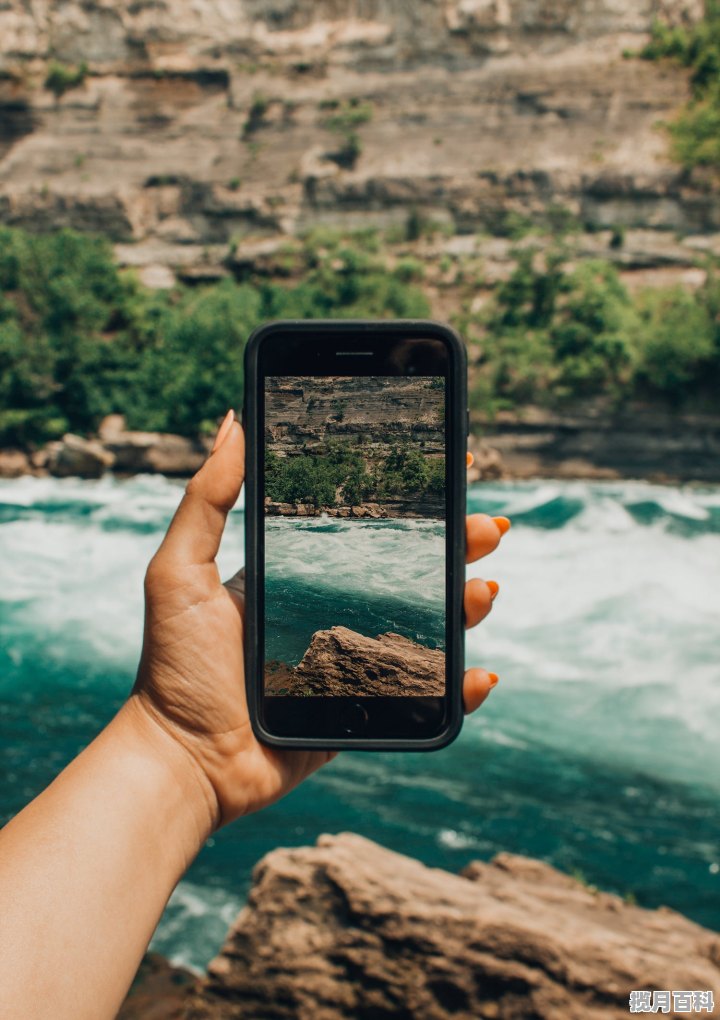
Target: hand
{"x": 191, "y": 679}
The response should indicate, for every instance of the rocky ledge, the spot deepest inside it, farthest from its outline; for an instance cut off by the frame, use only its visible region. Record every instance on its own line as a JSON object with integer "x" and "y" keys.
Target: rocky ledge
{"x": 342, "y": 662}
{"x": 420, "y": 505}
{"x": 115, "y": 448}
{"x": 348, "y": 929}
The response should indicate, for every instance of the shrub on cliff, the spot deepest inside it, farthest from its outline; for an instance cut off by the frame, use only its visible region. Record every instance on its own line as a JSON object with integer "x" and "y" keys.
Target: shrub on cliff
{"x": 695, "y": 132}
{"x": 554, "y": 333}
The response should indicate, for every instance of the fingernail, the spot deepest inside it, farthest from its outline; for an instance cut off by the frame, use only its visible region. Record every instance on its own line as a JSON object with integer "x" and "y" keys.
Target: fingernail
{"x": 503, "y": 524}
{"x": 493, "y": 679}
{"x": 223, "y": 430}
{"x": 469, "y": 459}
{"x": 494, "y": 588}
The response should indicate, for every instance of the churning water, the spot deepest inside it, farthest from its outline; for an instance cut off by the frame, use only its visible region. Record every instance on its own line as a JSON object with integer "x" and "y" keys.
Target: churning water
{"x": 370, "y": 576}
{"x": 598, "y": 751}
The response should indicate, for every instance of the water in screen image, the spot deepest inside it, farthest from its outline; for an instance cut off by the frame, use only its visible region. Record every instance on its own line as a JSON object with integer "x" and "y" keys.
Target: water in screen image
{"x": 354, "y": 514}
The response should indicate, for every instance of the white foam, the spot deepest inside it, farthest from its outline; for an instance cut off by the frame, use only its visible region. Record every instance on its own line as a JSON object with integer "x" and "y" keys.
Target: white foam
{"x": 606, "y": 631}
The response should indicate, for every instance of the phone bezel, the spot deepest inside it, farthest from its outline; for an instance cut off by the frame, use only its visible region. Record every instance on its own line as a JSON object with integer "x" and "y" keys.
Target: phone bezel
{"x": 297, "y": 342}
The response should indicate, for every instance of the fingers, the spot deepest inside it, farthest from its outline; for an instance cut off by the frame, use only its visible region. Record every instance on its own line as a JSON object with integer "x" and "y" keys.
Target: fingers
{"x": 196, "y": 529}
{"x": 482, "y": 535}
{"x": 477, "y": 684}
{"x": 478, "y": 601}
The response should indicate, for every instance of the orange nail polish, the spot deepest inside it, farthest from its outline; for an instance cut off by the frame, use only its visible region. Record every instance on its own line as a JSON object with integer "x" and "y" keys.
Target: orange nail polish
{"x": 469, "y": 459}
{"x": 223, "y": 430}
{"x": 494, "y": 588}
{"x": 503, "y": 524}
{"x": 493, "y": 679}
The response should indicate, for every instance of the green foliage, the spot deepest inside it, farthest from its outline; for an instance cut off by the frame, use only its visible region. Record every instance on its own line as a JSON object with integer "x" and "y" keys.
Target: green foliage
{"x": 407, "y": 470}
{"x": 617, "y": 238}
{"x": 553, "y": 333}
{"x": 695, "y": 132}
{"x": 678, "y": 340}
{"x": 256, "y": 114}
{"x": 79, "y": 338}
{"x": 349, "y": 151}
{"x": 343, "y": 119}
{"x": 340, "y": 475}
{"x": 61, "y": 78}
{"x": 409, "y": 269}
{"x": 346, "y": 116}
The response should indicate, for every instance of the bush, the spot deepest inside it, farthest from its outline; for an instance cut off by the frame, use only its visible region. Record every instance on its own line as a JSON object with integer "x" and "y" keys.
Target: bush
{"x": 553, "y": 335}
{"x": 61, "y": 78}
{"x": 677, "y": 341}
{"x": 695, "y": 130}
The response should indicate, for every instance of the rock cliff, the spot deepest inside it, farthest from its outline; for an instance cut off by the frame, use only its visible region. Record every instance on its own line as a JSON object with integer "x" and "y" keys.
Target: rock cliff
{"x": 302, "y": 414}
{"x": 191, "y": 130}
{"x": 348, "y": 930}
{"x": 341, "y": 662}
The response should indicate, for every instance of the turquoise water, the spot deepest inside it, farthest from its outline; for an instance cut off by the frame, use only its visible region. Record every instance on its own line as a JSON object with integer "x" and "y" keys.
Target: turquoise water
{"x": 371, "y": 576}
{"x": 598, "y": 751}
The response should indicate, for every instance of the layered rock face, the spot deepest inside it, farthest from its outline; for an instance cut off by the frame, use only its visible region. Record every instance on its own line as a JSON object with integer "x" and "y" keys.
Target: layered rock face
{"x": 341, "y": 662}
{"x": 200, "y": 126}
{"x": 347, "y": 929}
{"x": 303, "y": 414}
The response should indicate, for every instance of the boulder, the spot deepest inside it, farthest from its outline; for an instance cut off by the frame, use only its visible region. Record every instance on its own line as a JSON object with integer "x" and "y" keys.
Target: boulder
{"x": 339, "y": 661}
{"x": 159, "y": 452}
{"x": 111, "y": 426}
{"x": 73, "y": 455}
{"x": 159, "y": 991}
{"x": 348, "y": 929}
{"x": 13, "y": 463}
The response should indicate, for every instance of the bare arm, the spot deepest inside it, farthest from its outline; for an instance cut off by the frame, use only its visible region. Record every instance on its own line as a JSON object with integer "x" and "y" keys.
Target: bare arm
{"x": 87, "y": 868}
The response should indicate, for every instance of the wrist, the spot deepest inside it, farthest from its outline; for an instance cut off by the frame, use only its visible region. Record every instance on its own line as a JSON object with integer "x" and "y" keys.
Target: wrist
{"x": 189, "y": 795}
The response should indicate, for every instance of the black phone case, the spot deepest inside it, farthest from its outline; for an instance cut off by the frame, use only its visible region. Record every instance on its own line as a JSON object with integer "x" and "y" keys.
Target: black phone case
{"x": 456, "y": 499}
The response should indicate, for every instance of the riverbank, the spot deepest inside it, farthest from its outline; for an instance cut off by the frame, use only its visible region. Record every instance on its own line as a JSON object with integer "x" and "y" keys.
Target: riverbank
{"x": 592, "y": 443}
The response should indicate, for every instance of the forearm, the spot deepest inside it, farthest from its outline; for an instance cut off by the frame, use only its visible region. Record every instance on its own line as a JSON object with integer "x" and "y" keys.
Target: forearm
{"x": 87, "y": 868}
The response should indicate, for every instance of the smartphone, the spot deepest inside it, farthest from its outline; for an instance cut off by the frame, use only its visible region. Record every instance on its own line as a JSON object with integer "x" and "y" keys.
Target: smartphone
{"x": 355, "y": 533}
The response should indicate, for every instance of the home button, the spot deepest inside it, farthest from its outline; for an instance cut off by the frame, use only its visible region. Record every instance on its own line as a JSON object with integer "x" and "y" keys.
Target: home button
{"x": 353, "y": 720}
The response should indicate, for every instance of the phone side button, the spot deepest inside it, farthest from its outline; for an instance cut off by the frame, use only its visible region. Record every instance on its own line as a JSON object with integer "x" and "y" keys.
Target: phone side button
{"x": 353, "y": 720}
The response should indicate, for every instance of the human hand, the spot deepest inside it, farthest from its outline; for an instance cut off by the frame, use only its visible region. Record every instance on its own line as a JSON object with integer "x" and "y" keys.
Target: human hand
{"x": 191, "y": 678}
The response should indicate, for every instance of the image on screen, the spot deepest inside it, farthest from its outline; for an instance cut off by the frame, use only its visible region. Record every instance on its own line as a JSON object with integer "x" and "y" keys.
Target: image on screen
{"x": 354, "y": 518}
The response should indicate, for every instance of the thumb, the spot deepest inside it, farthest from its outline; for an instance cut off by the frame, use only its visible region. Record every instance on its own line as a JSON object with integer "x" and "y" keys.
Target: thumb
{"x": 196, "y": 529}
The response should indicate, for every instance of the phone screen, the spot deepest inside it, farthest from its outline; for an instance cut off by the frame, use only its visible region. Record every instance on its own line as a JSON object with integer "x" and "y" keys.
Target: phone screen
{"x": 354, "y": 536}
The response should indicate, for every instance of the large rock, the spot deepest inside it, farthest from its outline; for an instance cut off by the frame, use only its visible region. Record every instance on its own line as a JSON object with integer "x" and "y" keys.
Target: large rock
{"x": 339, "y": 661}
{"x": 13, "y": 463}
{"x": 348, "y": 929}
{"x": 159, "y": 992}
{"x": 159, "y": 452}
{"x": 73, "y": 455}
